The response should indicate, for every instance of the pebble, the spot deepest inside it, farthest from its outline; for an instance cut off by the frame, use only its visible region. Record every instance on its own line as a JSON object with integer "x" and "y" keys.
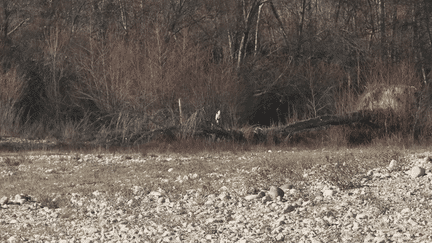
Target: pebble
{"x": 416, "y": 171}
{"x": 328, "y": 193}
{"x": 393, "y": 165}
{"x": 380, "y": 211}
{"x": 4, "y": 200}
{"x": 275, "y": 192}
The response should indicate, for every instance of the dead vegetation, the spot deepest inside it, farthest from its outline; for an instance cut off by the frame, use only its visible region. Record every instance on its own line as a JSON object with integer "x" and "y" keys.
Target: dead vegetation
{"x": 101, "y": 83}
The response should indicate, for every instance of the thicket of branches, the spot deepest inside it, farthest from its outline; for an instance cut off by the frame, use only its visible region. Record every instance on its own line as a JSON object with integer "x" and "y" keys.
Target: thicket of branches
{"x": 114, "y": 68}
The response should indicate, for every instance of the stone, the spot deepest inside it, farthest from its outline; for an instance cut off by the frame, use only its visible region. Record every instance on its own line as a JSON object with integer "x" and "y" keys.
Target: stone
{"x": 250, "y": 197}
{"x": 393, "y": 165}
{"x": 4, "y": 200}
{"x": 210, "y": 201}
{"x": 161, "y": 200}
{"x": 261, "y": 194}
{"x": 20, "y": 199}
{"x": 289, "y": 208}
{"x": 266, "y": 199}
{"x": 328, "y": 193}
{"x": 405, "y": 210}
{"x": 417, "y": 171}
{"x": 224, "y": 196}
{"x": 155, "y": 194}
{"x": 379, "y": 240}
{"x": 369, "y": 238}
{"x": 361, "y": 216}
{"x": 286, "y": 187}
{"x": 12, "y": 239}
{"x": 293, "y": 191}
{"x": 280, "y": 237}
{"x": 223, "y": 189}
{"x": 275, "y": 192}
{"x": 355, "y": 226}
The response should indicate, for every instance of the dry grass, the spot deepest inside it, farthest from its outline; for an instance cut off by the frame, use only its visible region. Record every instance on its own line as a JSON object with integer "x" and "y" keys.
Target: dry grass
{"x": 11, "y": 88}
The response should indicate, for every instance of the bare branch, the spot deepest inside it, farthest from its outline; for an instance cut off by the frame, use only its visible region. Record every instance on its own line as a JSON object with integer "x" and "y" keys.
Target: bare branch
{"x": 19, "y": 25}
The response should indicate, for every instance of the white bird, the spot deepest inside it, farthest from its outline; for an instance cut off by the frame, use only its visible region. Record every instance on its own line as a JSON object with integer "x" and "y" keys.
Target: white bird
{"x": 218, "y": 117}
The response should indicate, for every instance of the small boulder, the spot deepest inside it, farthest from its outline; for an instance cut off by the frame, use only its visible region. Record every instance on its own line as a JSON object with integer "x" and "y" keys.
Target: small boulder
{"x": 328, "y": 193}
{"x": 275, "y": 192}
{"x": 261, "y": 194}
{"x": 155, "y": 194}
{"x": 417, "y": 171}
{"x": 361, "y": 216}
{"x": 20, "y": 199}
{"x": 4, "y": 200}
{"x": 161, "y": 200}
{"x": 289, "y": 208}
{"x": 12, "y": 239}
{"x": 251, "y": 197}
{"x": 286, "y": 187}
{"x": 224, "y": 196}
{"x": 266, "y": 199}
{"x": 393, "y": 165}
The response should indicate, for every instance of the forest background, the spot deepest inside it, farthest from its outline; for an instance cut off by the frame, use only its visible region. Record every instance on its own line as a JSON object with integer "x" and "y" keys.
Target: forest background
{"x": 110, "y": 70}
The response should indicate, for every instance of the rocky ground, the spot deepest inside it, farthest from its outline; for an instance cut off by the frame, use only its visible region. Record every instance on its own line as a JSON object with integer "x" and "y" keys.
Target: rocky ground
{"x": 386, "y": 205}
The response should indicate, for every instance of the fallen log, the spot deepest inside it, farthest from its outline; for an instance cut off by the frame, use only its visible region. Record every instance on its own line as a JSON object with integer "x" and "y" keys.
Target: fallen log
{"x": 327, "y": 120}
{"x": 216, "y": 133}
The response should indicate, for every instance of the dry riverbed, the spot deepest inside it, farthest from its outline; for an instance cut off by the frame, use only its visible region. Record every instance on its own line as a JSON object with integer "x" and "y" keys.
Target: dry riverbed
{"x": 325, "y": 196}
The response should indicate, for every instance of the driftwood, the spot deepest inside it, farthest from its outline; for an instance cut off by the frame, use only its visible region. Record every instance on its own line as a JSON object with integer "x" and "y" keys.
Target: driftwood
{"x": 364, "y": 117}
{"x": 329, "y": 120}
{"x": 260, "y": 134}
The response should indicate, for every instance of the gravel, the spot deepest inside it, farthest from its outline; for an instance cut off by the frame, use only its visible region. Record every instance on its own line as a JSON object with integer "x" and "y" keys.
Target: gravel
{"x": 388, "y": 205}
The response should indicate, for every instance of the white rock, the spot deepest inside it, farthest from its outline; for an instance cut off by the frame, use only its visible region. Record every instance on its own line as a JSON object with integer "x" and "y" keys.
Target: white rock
{"x": 251, "y": 197}
{"x": 209, "y": 202}
{"x": 90, "y": 230}
{"x": 393, "y": 165}
{"x": 223, "y": 188}
{"x": 361, "y": 216}
{"x": 293, "y": 191}
{"x": 224, "y": 196}
{"x": 20, "y": 199}
{"x": 355, "y": 226}
{"x": 380, "y": 240}
{"x": 12, "y": 239}
{"x": 328, "y": 193}
{"x": 155, "y": 194}
{"x": 289, "y": 208}
{"x": 4, "y": 200}
{"x": 161, "y": 200}
{"x": 405, "y": 210}
{"x": 280, "y": 237}
{"x": 286, "y": 187}
{"x": 266, "y": 199}
{"x": 275, "y": 192}
{"x": 416, "y": 171}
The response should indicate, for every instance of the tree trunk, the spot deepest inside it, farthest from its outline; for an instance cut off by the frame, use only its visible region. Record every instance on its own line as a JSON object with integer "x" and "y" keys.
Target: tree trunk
{"x": 300, "y": 32}
{"x": 248, "y": 25}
